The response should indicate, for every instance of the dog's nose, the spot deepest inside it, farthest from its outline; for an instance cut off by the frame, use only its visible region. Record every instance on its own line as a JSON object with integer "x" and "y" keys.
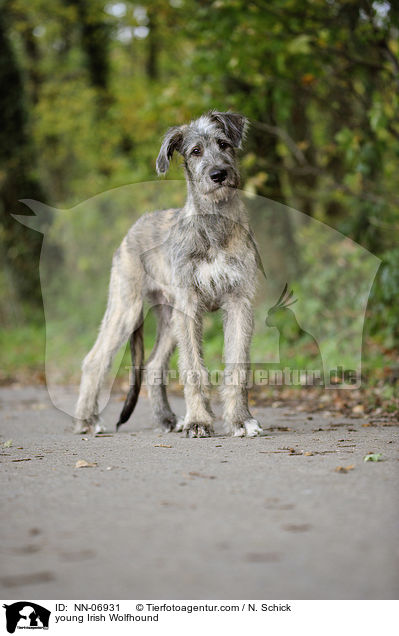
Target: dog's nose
{"x": 218, "y": 176}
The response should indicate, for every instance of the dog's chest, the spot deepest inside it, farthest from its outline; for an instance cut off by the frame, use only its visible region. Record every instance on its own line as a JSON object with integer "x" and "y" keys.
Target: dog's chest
{"x": 217, "y": 274}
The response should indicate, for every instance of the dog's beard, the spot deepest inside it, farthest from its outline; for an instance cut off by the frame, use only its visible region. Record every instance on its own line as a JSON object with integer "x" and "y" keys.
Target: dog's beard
{"x": 222, "y": 193}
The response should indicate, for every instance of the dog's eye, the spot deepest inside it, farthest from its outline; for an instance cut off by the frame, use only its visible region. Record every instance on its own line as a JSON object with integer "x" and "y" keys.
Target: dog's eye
{"x": 196, "y": 151}
{"x": 223, "y": 144}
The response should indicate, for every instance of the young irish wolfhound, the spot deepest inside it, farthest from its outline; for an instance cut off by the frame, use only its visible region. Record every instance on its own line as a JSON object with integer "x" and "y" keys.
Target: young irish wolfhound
{"x": 185, "y": 262}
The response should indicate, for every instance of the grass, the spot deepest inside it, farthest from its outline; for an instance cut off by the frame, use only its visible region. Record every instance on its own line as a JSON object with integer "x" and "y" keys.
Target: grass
{"x": 23, "y": 352}
{"x": 23, "y": 349}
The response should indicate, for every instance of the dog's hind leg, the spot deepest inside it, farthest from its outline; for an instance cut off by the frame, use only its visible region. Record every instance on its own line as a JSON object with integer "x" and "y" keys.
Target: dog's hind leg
{"x": 157, "y": 368}
{"x": 120, "y": 320}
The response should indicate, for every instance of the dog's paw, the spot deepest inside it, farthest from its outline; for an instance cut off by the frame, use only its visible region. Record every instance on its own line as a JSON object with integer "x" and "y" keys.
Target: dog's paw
{"x": 169, "y": 424}
{"x": 99, "y": 426}
{"x": 249, "y": 428}
{"x": 194, "y": 429}
{"x": 90, "y": 425}
{"x": 82, "y": 426}
{"x": 179, "y": 424}
{"x": 252, "y": 428}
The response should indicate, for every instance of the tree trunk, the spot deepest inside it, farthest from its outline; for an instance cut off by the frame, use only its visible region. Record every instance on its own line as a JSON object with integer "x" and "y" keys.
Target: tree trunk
{"x": 20, "y": 247}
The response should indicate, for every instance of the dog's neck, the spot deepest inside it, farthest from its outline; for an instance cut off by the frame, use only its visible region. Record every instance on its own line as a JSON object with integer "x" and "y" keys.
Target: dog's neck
{"x": 208, "y": 224}
{"x": 205, "y": 207}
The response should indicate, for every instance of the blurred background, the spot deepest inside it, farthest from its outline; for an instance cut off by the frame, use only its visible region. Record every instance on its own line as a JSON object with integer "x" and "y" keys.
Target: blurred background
{"x": 88, "y": 88}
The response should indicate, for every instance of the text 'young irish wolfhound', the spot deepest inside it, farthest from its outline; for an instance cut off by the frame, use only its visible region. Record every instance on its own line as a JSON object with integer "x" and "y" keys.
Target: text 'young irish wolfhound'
{"x": 185, "y": 262}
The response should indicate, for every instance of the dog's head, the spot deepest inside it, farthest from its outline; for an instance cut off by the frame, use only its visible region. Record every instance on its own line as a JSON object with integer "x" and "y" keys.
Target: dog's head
{"x": 208, "y": 146}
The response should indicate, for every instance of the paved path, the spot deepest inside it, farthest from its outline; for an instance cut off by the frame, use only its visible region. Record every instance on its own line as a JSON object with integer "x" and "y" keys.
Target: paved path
{"x": 163, "y": 516}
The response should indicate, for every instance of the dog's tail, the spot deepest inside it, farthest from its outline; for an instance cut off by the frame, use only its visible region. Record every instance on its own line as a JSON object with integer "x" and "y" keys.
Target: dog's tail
{"x": 137, "y": 353}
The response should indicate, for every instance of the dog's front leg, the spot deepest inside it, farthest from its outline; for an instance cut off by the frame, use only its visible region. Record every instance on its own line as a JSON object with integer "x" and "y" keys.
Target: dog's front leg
{"x": 199, "y": 417}
{"x": 238, "y": 327}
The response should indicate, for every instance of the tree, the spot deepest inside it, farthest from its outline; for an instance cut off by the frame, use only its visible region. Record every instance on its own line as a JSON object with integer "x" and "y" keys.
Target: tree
{"x": 20, "y": 250}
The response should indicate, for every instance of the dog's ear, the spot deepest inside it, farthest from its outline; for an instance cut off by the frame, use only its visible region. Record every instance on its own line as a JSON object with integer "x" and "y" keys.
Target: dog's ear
{"x": 233, "y": 124}
{"x": 171, "y": 142}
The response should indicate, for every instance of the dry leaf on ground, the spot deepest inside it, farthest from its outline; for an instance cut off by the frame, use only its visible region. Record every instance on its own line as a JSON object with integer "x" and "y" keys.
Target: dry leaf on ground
{"x": 344, "y": 469}
{"x": 195, "y": 474}
{"x": 82, "y": 463}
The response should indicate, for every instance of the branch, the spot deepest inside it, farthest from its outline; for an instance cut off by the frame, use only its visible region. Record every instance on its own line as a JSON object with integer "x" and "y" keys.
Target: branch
{"x": 286, "y": 138}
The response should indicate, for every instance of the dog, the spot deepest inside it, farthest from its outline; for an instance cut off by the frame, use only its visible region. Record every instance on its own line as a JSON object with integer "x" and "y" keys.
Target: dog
{"x": 184, "y": 262}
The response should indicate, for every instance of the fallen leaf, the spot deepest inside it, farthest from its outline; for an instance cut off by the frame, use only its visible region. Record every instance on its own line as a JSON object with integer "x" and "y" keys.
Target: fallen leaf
{"x": 297, "y": 527}
{"x": 359, "y": 408}
{"x": 163, "y": 446}
{"x": 308, "y": 453}
{"x": 194, "y": 474}
{"x": 26, "y": 459}
{"x": 82, "y": 463}
{"x": 295, "y": 452}
{"x": 344, "y": 469}
{"x": 373, "y": 457}
{"x": 8, "y": 443}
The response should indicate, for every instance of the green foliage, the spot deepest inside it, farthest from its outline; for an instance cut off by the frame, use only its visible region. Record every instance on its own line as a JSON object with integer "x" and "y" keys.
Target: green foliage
{"x": 383, "y": 321}
{"x": 373, "y": 457}
{"x": 90, "y": 87}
